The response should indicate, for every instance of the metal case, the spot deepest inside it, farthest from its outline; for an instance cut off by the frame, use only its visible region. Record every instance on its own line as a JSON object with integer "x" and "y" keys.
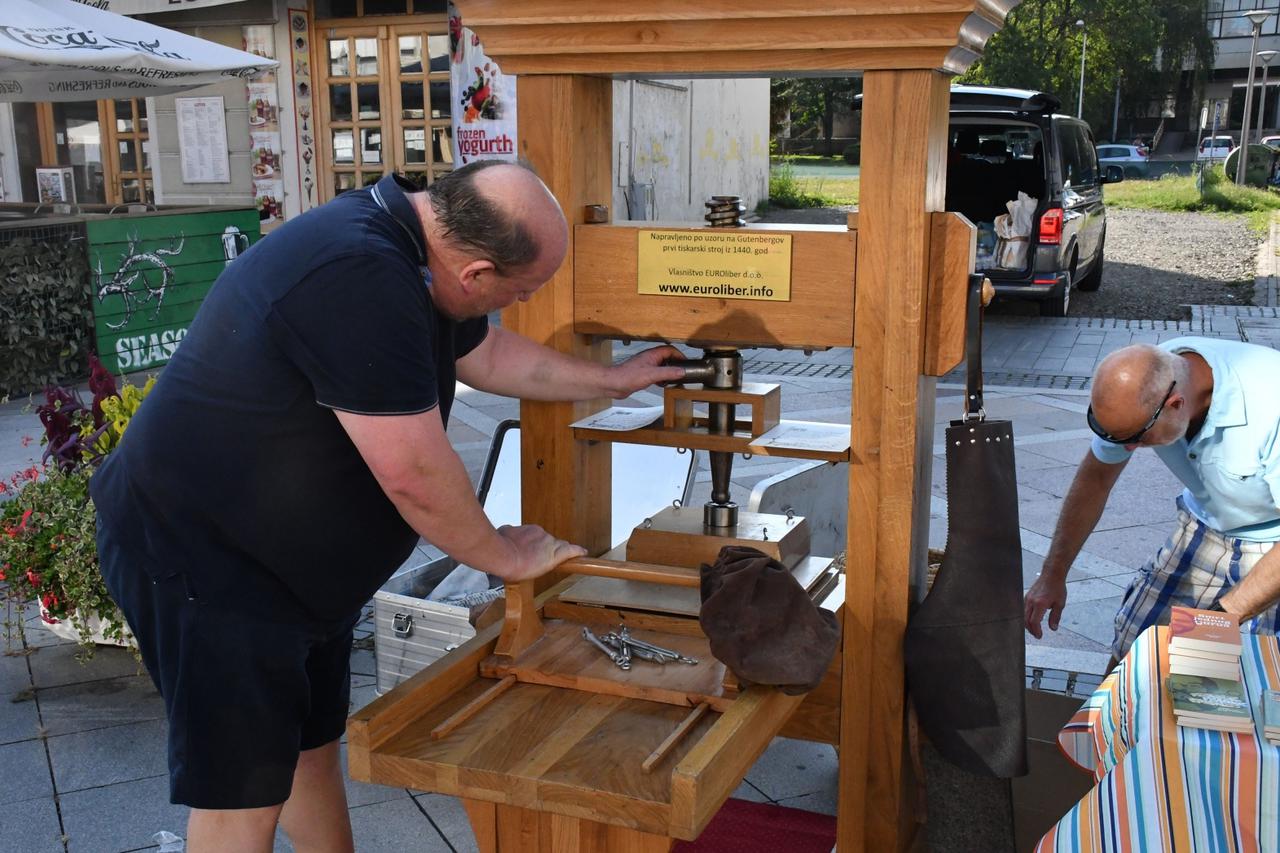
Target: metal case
{"x": 411, "y": 632}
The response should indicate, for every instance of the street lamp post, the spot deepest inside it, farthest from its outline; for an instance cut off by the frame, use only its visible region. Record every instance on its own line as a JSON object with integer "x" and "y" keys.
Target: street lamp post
{"x": 1265, "y": 57}
{"x": 1084, "y": 46}
{"x": 1256, "y": 17}
{"x": 1115, "y": 115}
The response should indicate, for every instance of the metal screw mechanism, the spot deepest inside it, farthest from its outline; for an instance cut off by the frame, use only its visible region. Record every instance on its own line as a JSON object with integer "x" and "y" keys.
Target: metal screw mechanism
{"x": 725, "y": 211}
{"x": 717, "y": 369}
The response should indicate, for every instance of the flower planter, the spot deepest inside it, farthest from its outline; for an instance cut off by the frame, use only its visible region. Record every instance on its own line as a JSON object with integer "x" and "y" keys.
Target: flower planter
{"x": 67, "y": 630}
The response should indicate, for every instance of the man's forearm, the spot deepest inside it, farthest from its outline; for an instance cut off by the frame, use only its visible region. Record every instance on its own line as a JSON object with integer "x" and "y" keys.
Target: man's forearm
{"x": 1257, "y": 590}
{"x": 1081, "y": 510}
{"x": 514, "y": 366}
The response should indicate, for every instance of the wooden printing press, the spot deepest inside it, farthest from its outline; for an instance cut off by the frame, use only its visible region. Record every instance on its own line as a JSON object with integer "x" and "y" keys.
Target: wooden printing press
{"x": 549, "y": 742}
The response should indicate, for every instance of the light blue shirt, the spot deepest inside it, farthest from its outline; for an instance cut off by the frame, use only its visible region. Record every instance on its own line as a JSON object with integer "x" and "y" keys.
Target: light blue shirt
{"x": 1232, "y": 467}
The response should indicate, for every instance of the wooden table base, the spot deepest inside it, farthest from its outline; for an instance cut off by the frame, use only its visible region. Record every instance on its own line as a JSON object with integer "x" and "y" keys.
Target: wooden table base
{"x": 510, "y": 829}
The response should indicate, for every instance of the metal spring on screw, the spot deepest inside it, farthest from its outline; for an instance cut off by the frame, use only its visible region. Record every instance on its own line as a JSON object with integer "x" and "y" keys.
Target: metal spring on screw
{"x": 725, "y": 211}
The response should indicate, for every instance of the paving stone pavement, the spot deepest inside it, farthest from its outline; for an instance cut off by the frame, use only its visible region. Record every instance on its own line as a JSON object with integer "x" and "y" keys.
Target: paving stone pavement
{"x": 82, "y": 745}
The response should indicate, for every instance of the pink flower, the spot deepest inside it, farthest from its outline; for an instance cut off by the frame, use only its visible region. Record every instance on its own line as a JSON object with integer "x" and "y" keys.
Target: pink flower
{"x": 22, "y": 525}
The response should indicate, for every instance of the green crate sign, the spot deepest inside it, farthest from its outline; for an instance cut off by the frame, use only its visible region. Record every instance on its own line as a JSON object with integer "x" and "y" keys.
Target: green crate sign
{"x": 150, "y": 274}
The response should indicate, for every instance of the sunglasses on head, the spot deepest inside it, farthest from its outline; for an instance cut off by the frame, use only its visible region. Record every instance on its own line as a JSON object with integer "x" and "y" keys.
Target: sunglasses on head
{"x": 1137, "y": 436}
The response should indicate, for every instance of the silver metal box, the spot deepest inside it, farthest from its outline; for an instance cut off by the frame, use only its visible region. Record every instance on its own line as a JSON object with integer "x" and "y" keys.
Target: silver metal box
{"x": 411, "y": 632}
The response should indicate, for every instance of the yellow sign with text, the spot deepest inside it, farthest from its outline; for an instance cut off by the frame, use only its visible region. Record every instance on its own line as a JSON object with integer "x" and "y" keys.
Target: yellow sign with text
{"x": 716, "y": 263}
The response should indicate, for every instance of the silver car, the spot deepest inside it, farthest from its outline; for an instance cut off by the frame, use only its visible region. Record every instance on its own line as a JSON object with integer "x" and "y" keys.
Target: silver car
{"x": 1130, "y": 158}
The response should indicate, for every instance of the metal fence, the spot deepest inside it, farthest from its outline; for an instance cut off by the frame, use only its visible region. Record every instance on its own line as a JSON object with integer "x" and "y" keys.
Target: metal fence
{"x": 54, "y": 346}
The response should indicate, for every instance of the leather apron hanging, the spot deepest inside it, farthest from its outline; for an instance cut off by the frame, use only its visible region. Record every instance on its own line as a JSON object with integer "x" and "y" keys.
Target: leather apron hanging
{"x": 965, "y": 658}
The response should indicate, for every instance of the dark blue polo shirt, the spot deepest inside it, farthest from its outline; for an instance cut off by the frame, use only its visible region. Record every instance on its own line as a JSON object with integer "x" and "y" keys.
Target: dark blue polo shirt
{"x": 235, "y": 470}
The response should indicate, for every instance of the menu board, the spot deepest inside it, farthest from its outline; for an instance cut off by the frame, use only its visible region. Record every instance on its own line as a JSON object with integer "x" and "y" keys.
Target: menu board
{"x": 202, "y": 140}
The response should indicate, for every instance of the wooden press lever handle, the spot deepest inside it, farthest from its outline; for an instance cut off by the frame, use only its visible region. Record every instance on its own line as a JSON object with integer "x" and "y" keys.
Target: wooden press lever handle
{"x": 522, "y": 625}
{"x": 646, "y": 572}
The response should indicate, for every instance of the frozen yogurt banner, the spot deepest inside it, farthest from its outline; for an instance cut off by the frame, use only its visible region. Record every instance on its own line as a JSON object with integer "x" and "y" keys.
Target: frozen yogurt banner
{"x": 484, "y": 99}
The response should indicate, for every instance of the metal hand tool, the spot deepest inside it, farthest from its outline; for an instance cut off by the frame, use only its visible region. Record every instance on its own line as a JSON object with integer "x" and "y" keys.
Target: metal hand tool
{"x": 618, "y": 643}
{"x": 616, "y": 657}
{"x": 625, "y": 635}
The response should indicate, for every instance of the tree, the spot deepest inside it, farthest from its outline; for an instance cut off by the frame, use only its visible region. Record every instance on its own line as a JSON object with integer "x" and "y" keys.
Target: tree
{"x": 811, "y": 103}
{"x": 1142, "y": 47}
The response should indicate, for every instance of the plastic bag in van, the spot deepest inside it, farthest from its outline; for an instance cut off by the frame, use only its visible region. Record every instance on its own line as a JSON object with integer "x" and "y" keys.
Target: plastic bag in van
{"x": 1013, "y": 232}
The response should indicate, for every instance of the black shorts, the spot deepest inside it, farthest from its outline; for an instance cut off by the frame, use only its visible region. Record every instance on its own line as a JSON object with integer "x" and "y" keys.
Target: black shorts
{"x": 244, "y": 692}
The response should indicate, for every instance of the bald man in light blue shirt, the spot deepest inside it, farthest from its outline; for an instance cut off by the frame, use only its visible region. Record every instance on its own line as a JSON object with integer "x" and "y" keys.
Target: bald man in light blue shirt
{"x": 1210, "y": 409}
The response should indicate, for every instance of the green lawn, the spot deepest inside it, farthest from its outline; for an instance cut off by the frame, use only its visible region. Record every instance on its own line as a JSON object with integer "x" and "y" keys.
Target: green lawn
{"x": 1177, "y": 193}
{"x": 808, "y": 160}
{"x": 1172, "y": 192}
{"x": 833, "y": 191}
{"x": 787, "y": 189}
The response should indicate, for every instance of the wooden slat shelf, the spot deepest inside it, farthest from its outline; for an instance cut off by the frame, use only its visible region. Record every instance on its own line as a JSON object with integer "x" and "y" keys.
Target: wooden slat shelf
{"x": 834, "y": 436}
{"x": 562, "y": 751}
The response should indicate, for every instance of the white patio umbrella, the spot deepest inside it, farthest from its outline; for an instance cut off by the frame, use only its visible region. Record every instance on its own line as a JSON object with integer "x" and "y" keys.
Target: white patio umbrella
{"x": 61, "y": 50}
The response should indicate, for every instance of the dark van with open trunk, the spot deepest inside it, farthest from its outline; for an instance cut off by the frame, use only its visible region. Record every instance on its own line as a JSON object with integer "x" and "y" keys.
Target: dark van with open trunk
{"x": 1003, "y": 142}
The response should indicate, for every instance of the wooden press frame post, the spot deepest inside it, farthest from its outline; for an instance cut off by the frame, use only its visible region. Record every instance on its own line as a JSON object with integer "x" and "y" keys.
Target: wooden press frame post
{"x": 566, "y": 136}
{"x": 903, "y": 181}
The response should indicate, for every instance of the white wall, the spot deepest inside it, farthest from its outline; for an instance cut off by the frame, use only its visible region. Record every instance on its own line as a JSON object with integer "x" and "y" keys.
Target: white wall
{"x": 10, "y": 182}
{"x": 690, "y": 139}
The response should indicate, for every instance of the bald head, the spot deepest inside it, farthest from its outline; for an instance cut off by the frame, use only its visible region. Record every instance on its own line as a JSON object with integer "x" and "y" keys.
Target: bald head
{"x": 1131, "y": 383}
{"x": 500, "y": 212}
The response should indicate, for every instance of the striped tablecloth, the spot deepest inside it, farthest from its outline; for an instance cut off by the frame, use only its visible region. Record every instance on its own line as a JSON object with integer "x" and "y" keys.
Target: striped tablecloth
{"x": 1164, "y": 788}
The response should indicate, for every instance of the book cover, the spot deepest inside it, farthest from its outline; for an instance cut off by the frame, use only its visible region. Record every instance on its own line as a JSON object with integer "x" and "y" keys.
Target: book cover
{"x": 1243, "y": 723}
{"x": 1271, "y": 709}
{"x": 1203, "y": 696}
{"x": 1204, "y": 629}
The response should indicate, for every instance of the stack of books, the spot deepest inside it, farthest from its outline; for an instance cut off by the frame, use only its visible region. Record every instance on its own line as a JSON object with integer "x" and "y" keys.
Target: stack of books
{"x": 1204, "y": 642}
{"x": 1271, "y": 716}
{"x": 1201, "y": 702}
{"x": 1204, "y": 671}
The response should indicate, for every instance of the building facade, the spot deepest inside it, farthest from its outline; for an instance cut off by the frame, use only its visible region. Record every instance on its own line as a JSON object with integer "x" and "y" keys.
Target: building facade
{"x": 362, "y": 89}
{"x": 1224, "y": 92}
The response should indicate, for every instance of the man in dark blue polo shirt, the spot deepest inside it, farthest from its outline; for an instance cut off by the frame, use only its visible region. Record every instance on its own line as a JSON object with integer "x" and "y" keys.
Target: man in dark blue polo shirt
{"x": 291, "y": 455}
